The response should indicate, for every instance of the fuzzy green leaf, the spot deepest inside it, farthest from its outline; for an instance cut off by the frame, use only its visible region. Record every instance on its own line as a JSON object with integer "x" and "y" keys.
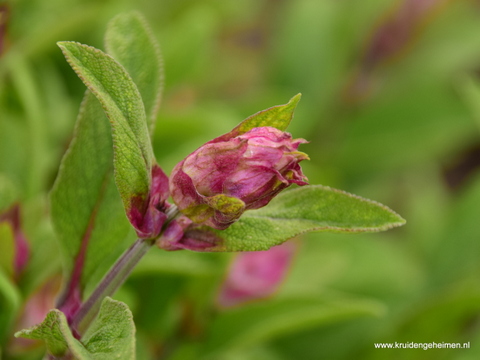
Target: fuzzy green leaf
{"x": 308, "y": 208}
{"x": 278, "y": 117}
{"x": 87, "y": 213}
{"x": 131, "y": 42}
{"x": 121, "y": 100}
{"x": 58, "y": 338}
{"x": 111, "y": 336}
{"x": 96, "y": 231}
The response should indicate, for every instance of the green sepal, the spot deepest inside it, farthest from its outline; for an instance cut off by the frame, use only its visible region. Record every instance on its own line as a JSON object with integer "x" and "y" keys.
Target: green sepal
{"x": 226, "y": 204}
{"x": 278, "y": 117}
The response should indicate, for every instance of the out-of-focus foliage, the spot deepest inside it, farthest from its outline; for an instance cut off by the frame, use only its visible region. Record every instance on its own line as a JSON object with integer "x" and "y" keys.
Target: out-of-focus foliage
{"x": 391, "y": 112}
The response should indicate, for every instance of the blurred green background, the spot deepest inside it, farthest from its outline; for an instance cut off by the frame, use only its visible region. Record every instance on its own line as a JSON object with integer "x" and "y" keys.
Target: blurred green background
{"x": 391, "y": 107}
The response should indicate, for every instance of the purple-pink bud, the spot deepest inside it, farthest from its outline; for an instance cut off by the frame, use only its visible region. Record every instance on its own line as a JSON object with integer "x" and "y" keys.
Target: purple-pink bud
{"x": 216, "y": 183}
{"x": 256, "y": 275}
{"x": 149, "y": 217}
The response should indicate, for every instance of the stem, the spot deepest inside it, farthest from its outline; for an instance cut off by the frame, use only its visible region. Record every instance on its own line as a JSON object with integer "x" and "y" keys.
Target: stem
{"x": 110, "y": 284}
{"x": 115, "y": 278}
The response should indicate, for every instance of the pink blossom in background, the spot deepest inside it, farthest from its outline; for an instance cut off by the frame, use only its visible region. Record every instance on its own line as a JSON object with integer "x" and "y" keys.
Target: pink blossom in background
{"x": 256, "y": 275}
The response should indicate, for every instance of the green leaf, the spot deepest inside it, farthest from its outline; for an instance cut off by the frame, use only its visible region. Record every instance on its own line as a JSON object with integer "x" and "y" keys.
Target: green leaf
{"x": 58, "y": 339}
{"x": 111, "y": 336}
{"x": 86, "y": 210}
{"x": 308, "y": 208}
{"x": 121, "y": 100}
{"x": 96, "y": 231}
{"x": 278, "y": 117}
{"x": 130, "y": 41}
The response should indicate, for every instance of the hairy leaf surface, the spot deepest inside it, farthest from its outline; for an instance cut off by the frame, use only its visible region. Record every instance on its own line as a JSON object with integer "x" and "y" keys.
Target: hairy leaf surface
{"x": 121, "y": 100}
{"x": 309, "y": 208}
{"x": 111, "y": 336}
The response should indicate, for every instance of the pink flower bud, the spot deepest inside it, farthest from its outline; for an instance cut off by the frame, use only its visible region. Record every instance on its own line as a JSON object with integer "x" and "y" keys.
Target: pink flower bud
{"x": 148, "y": 218}
{"x": 236, "y": 172}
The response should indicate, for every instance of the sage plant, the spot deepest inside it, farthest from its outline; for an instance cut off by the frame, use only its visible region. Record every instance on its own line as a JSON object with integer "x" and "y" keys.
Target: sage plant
{"x": 230, "y": 195}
